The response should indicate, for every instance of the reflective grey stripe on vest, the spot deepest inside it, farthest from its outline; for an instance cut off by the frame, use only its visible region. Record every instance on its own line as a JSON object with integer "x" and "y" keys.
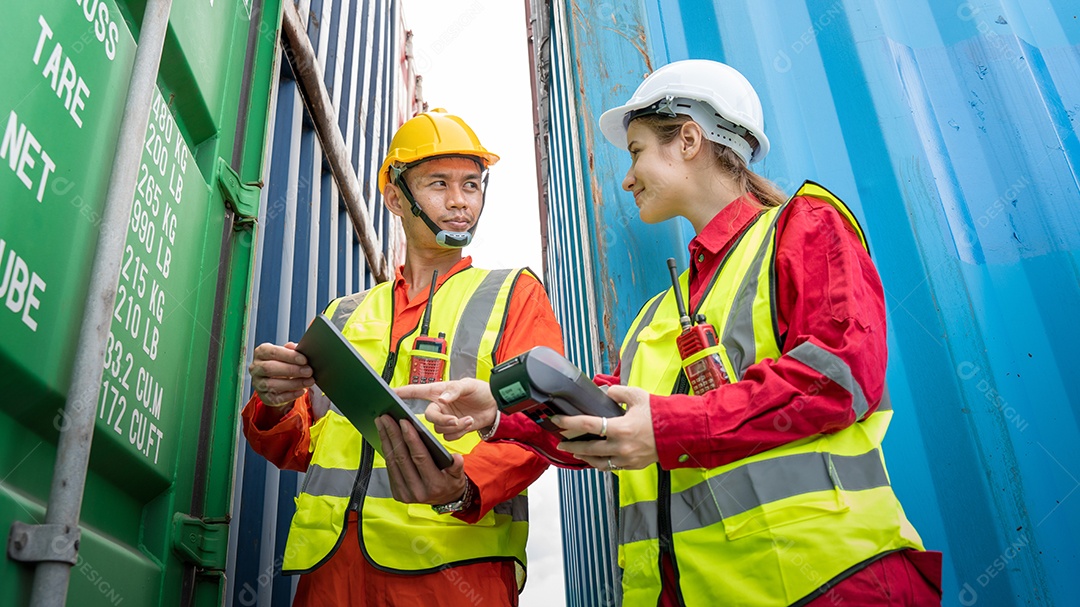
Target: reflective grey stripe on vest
{"x": 329, "y": 482}
{"x": 627, "y": 358}
{"x": 473, "y": 323}
{"x": 753, "y": 485}
{"x": 379, "y": 486}
{"x": 834, "y": 368}
{"x": 886, "y": 400}
{"x": 738, "y": 337}
{"x": 346, "y": 307}
{"x": 517, "y": 507}
{"x": 640, "y": 521}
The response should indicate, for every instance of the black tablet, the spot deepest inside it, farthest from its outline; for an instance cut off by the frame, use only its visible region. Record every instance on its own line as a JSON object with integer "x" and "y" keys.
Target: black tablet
{"x": 356, "y": 389}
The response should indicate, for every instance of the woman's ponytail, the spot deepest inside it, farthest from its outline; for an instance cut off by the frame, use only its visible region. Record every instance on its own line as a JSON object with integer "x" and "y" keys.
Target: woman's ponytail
{"x": 767, "y": 192}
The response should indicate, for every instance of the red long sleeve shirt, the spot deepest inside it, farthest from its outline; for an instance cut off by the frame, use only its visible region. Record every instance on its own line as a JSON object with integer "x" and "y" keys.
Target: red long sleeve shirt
{"x": 827, "y": 292}
{"x": 498, "y": 471}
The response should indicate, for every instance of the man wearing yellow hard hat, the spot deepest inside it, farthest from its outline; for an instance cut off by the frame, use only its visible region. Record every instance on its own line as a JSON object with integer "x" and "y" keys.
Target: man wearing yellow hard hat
{"x": 399, "y": 531}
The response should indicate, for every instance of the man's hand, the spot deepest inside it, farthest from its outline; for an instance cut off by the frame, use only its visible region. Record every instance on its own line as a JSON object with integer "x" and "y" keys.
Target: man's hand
{"x": 414, "y": 477}
{"x": 630, "y": 441}
{"x": 279, "y": 374}
{"x": 457, "y": 407}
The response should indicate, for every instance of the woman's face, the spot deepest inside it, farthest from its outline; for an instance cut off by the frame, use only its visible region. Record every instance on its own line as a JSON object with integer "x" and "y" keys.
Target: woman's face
{"x": 654, "y": 174}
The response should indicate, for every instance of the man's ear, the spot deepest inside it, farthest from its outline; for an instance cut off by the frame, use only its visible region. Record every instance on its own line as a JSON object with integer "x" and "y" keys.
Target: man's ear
{"x": 393, "y": 200}
{"x": 691, "y": 139}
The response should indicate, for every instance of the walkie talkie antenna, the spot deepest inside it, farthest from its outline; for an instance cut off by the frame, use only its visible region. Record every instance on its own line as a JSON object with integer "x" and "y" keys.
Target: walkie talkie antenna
{"x": 427, "y": 309}
{"x": 684, "y": 318}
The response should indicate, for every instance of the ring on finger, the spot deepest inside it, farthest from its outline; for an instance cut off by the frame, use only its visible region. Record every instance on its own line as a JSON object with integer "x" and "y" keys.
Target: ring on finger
{"x": 611, "y": 465}
{"x": 603, "y": 428}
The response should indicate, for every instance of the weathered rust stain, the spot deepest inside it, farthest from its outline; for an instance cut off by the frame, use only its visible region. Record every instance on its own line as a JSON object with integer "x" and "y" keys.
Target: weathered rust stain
{"x": 579, "y": 15}
{"x": 607, "y": 300}
{"x": 611, "y": 331}
{"x": 608, "y": 296}
{"x": 638, "y": 44}
{"x": 643, "y": 41}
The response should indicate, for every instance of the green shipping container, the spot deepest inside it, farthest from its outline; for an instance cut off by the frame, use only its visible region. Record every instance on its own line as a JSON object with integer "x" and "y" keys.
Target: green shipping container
{"x": 154, "y": 514}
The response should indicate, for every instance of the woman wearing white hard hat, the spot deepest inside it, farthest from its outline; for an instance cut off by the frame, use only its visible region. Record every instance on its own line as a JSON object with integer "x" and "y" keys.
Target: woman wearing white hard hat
{"x": 751, "y": 471}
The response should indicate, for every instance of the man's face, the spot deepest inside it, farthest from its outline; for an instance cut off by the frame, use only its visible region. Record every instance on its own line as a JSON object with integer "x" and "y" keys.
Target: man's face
{"x": 449, "y": 192}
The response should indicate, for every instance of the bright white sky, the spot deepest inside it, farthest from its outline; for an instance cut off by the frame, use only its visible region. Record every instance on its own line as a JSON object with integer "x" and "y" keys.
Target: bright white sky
{"x": 473, "y": 55}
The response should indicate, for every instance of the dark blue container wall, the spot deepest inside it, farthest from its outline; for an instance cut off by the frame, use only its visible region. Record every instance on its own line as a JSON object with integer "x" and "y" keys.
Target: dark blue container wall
{"x": 308, "y": 252}
{"x": 951, "y": 130}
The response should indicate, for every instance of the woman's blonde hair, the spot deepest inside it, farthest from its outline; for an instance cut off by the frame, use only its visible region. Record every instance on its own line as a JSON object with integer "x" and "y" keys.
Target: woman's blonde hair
{"x": 768, "y": 193}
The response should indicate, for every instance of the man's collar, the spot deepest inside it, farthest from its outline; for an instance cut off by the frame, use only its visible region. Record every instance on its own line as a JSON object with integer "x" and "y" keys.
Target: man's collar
{"x": 464, "y": 262}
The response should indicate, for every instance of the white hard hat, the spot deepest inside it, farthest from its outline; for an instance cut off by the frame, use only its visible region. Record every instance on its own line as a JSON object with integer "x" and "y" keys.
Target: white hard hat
{"x": 714, "y": 95}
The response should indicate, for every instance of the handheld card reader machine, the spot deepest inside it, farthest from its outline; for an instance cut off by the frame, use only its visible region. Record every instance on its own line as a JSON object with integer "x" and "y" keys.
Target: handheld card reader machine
{"x": 428, "y": 369}
{"x": 541, "y": 383}
{"x": 705, "y": 371}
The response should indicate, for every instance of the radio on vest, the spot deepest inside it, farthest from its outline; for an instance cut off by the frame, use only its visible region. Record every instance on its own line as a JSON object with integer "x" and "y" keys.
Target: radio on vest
{"x": 428, "y": 369}
{"x": 704, "y": 369}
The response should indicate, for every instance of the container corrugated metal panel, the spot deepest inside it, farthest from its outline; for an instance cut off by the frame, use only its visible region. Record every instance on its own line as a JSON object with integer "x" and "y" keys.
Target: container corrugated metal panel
{"x": 65, "y": 87}
{"x": 588, "y": 520}
{"x": 951, "y": 130}
{"x": 308, "y": 252}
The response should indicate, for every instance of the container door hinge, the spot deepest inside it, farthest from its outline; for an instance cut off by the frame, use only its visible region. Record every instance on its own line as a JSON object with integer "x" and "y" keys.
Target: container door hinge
{"x": 203, "y": 542}
{"x": 241, "y": 198}
{"x": 43, "y": 543}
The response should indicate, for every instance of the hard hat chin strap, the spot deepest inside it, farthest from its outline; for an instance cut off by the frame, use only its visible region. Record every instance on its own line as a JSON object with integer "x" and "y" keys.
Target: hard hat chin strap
{"x": 445, "y": 238}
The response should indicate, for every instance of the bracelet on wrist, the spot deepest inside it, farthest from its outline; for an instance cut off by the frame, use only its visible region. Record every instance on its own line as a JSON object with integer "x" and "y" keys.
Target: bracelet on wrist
{"x": 490, "y": 432}
{"x": 460, "y": 504}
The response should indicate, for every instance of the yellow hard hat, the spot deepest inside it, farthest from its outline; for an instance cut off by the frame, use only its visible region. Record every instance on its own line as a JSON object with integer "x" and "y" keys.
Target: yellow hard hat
{"x": 431, "y": 134}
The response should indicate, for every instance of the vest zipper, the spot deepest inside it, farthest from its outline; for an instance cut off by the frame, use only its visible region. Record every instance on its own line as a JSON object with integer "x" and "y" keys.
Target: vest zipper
{"x": 663, "y": 503}
{"x": 360, "y": 488}
{"x": 367, "y": 452}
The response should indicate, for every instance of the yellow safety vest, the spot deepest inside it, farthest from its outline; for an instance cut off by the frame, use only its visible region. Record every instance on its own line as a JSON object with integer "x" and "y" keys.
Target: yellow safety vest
{"x": 774, "y": 528}
{"x": 346, "y": 473}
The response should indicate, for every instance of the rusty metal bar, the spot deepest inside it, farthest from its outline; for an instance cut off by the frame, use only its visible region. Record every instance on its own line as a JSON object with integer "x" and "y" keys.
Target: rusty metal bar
{"x": 301, "y": 56}
{"x": 538, "y": 25}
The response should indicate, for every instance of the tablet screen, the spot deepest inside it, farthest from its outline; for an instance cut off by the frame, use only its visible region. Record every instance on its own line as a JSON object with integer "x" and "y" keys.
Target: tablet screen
{"x": 356, "y": 389}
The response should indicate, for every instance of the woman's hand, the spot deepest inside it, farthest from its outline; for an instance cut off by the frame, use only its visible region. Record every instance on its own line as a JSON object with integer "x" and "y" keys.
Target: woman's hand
{"x": 457, "y": 407}
{"x": 630, "y": 443}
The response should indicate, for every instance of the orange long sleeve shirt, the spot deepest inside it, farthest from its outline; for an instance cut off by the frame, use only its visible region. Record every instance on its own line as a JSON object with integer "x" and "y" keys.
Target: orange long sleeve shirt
{"x": 500, "y": 471}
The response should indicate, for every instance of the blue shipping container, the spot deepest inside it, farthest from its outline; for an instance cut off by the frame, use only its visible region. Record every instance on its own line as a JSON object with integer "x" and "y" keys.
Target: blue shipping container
{"x": 950, "y": 128}
{"x": 309, "y": 251}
